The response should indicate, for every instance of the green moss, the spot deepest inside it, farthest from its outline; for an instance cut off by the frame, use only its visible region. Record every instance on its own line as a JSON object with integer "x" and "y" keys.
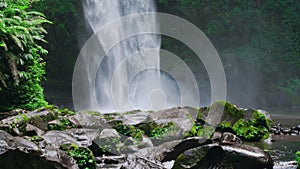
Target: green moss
{"x": 200, "y": 131}
{"x": 36, "y": 139}
{"x": 94, "y": 113}
{"x": 66, "y": 112}
{"x": 251, "y": 130}
{"x": 200, "y": 113}
{"x": 83, "y": 156}
{"x": 225, "y": 125}
{"x": 161, "y": 131}
{"x": 298, "y": 158}
{"x": 62, "y": 125}
{"x": 111, "y": 144}
{"x": 127, "y": 130}
{"x": 108, "y": 117}
{"x": 228, "y": 108}
{"x": 195, "y": 131}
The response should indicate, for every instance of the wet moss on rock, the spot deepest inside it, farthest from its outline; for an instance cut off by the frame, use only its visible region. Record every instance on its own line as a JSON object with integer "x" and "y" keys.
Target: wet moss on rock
{"x": 254, "y": 129}
{"x": 83, "y": 156}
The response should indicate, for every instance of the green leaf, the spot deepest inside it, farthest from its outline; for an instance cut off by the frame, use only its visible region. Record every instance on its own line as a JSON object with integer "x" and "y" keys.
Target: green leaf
{"x": 17, "y": 41}
{"x": 2, "y": 44}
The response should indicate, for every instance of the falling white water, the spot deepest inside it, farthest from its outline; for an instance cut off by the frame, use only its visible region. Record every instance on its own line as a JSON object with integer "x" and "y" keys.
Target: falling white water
{"x": 129, "y": 77}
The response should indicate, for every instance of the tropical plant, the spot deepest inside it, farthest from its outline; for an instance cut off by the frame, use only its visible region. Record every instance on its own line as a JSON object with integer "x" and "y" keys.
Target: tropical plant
{"x": 21, "y": 65}
{"x": 298, "y": 158}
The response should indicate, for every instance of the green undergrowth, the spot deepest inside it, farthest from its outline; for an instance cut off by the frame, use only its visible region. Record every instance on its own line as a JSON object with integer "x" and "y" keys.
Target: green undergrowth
{"x": 62, "y": 124}
{"x": 127, "y": 130}
{"x": 83, "y": 156}
{"x": 36, "y": 139}
{"x": 298, "y": 158}
{"x": 235, "y": 120}
{"x": 109, "y": 145}
{"x": 150, "y": 129}
{"x": 254, "y": 129}
{"x": 156, "y": 131}
{"x": 200, "y": 130}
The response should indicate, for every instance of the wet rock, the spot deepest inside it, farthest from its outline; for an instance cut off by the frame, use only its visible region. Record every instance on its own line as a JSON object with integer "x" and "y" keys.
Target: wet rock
{"x": 60, "y": 158}
{"x": 134, "y": 119}
{"x": 145, "y": 142}
{"x": 4, "y": 115}
{"x": 3, "y": 147}
{"x": 229, "y": 138}
{"x": 32, "y": 130}
{"x": 285, "y": 130}
{"x": 216, "y": 136}
{"x": 277, "y": 132}
{"x": 41, "y": 119}
{"x": 86, "y": 120}
{"x": 234, "y": 156}
{"x": 183, "y": 117}
{"x": 16, "y": 152}
{"x": 81, "y": 137}
{"x": 148, "y": 140}
{"x": 107, "y": 133}
{"x": 184, "y": 145}
{"x": 266, "y": 114}
{"x": 294, "y": 132}
{"x": 21, "y": 160}
{"x": 285, "y": 165}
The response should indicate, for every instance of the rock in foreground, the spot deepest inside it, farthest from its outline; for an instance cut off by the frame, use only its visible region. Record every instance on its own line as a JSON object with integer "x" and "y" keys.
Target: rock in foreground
{"x": 59, "y": 139}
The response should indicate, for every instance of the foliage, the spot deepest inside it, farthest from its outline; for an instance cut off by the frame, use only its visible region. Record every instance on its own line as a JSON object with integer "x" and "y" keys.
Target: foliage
{"x": 64, "y": 37}
{"x": 290, "y": 86}
{"x": 227, "y": 108}
{"x": 127, "y": 130}
{"x": 21, "y": 67}
{"x": 62, "y": 124}
{"x": 253, "y": 129}
{"x": 298, "y": 158}
{"x": 36, "y": 139}
{"x": 224, "y": 125}
{"x": 195, "y": 131}
{"x": 258, "y": 43}
{"x": 83, "y": 156}
{"x": 110, "y": 144}
{"x": 200, "y": 131}
{"x": 156, "y": 131}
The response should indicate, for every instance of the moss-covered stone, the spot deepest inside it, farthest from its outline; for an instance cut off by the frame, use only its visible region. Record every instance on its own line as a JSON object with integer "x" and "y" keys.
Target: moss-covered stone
{"x": 228, "y": 112}
{"x": 200, "y": 130}
{"x": 248, "y": 124}
{"x": 61, "y": 124}
{"x": 253, "y": 129}
{"x": 83, "y": 156}
{"x": 158, "y": 131}
{"x": 109, "y": 145}
{"x": 36, "y": 139}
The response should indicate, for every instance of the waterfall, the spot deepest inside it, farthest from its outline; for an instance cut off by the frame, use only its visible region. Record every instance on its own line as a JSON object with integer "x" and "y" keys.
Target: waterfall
{"x": 119, "y": 85}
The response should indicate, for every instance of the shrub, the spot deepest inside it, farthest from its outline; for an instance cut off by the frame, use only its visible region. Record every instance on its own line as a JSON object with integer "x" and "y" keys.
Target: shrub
{"x": 21, "y": 65}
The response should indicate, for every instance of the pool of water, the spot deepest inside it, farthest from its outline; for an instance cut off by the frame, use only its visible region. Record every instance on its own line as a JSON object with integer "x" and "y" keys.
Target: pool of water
{"x": 282, "y": 150}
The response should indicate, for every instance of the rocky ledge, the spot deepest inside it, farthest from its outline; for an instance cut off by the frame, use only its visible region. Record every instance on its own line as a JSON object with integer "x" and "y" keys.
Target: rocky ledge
{"x": 180, "y": 138}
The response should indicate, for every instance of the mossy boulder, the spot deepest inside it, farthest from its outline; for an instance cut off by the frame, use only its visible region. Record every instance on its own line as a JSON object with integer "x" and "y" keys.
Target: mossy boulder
{"x": 82, "y": 155}
{"x": 249, "y": 124}
{"x": 220, "y": 111}
{"x": 253, "y": 129}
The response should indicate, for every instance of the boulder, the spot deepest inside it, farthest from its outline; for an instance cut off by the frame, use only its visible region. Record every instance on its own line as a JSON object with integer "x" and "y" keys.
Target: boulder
{"x": 229, "y": 156}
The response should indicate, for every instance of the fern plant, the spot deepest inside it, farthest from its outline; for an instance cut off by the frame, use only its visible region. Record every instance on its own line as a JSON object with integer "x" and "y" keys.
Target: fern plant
{"x": 21, "y": 65}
